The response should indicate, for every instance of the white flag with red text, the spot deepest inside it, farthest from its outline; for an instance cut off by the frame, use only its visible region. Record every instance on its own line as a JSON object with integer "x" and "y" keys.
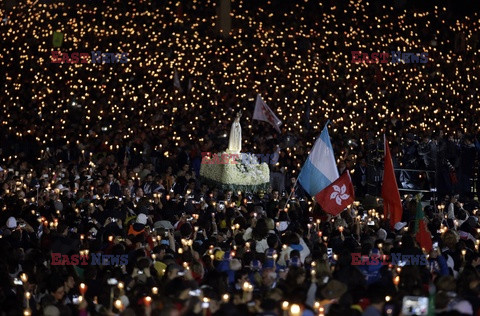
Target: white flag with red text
{"x": 264, "y": 113}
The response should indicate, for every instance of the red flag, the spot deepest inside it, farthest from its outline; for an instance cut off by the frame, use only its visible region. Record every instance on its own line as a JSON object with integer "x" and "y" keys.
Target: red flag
{"x": 338, "y": 195}
{"x": 423, "y": 236}
{"x": 392, "y": 205}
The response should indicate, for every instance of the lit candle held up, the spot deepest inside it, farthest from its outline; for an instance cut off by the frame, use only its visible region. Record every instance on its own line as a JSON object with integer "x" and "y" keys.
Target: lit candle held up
{"x": 82, "y": 288}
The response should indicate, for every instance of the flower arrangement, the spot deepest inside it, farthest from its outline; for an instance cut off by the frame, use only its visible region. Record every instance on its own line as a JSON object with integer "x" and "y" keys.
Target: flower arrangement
{"x": 236, "y": 174}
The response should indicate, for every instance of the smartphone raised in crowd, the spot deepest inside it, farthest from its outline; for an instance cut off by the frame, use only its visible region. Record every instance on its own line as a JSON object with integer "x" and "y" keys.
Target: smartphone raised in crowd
{"x": 329, "y": 252}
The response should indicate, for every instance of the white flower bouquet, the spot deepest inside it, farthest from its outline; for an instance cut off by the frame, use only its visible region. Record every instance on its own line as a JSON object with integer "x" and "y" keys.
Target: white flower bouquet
{"x": 235, "y": 172}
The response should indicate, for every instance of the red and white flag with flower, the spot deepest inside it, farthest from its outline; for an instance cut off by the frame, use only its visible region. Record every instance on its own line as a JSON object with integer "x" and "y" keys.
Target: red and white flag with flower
{"x": 337, "y": 196}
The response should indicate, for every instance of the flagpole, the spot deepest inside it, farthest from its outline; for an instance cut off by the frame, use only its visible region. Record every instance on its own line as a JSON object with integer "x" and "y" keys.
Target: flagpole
{"x": 291, "y": 192}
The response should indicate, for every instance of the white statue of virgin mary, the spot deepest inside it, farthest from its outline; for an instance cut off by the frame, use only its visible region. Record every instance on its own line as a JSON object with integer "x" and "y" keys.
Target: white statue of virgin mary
{"x": 235, "y": 140}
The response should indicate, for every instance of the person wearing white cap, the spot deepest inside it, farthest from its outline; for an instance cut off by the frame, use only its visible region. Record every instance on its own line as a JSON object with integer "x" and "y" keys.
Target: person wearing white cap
{"x": 139, "y": 226}
{"x": 11, "y": 222}
{"x": 382, "y": 234}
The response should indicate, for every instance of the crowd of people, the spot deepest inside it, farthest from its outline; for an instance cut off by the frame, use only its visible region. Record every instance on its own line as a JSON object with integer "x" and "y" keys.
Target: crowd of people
{"x": 102, "y": 208}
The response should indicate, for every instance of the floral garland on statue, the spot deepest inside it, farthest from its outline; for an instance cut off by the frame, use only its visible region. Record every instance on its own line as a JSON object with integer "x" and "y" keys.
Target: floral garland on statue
{"x": 244, "y": 174}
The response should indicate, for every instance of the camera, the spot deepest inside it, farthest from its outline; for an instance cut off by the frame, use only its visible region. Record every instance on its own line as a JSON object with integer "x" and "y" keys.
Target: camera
{"x": 329, "y": 252}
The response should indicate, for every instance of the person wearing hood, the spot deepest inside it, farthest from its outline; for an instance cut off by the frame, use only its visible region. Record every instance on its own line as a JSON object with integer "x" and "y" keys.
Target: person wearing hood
{"x": 293, "y": 242}
{"x": 139, "y": 226}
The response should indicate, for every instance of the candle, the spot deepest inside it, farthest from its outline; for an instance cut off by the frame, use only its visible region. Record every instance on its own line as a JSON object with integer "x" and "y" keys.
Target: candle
{"x": 24, "y": 277}
{"x": 321, "y": 311}
{"x": 119, "y": 305}
{"x": 83, "y": 288}
{"x": 285, "y": 306}
{"x": 205, "y": 305}
{"x": 247, "y": 288}
{"x": 295, "y": 310}
{"x": 396, "y": 281}
{"x": 154, "y": 290}
{"x": 121, "y": 285}
{"x": 27, "y": 296}
{"x": 147, "y": 301}
{"x": 225, "y": 298}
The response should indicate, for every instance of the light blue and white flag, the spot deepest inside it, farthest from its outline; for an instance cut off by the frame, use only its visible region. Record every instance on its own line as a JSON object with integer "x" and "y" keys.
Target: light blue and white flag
{"x": 320, "y": 169}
